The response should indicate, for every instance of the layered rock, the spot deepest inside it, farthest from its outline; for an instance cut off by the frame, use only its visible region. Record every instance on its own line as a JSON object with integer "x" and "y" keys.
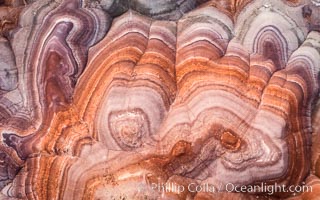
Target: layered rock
{"x": 45, "y": 52}
{"x": 173, "y": 93}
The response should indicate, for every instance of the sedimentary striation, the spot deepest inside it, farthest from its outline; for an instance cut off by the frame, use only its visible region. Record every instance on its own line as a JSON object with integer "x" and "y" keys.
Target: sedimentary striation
{"x": 138, "y": 99}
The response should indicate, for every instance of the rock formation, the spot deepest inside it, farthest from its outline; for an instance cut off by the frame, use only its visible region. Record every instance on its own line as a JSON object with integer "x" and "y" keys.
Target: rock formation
{"x": 136, "y": 99}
